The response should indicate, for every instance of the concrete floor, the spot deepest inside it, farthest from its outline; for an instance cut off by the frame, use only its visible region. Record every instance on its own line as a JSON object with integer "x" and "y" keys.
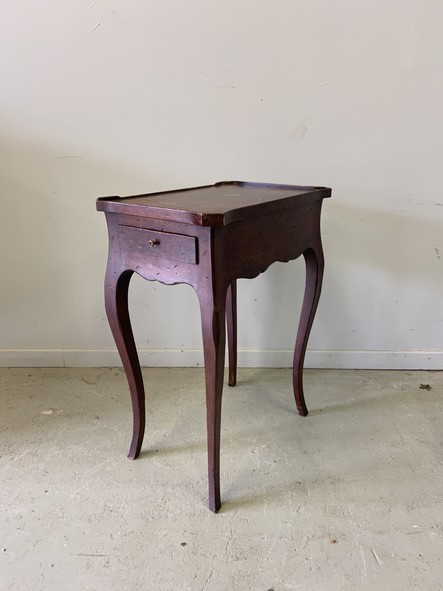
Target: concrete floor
{"x": 349, "y": 498}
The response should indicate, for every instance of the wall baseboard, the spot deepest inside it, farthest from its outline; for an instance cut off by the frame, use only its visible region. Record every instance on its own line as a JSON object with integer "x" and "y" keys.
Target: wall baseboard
{"x": 430, "y": 360}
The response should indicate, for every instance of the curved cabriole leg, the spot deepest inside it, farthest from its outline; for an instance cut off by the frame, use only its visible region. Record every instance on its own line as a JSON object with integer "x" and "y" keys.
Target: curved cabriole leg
{"x": 314, "y": 275}
{"x": 212, "y": 307}
{"x": 116, "y": 301}
{"x": 231, "y": 318}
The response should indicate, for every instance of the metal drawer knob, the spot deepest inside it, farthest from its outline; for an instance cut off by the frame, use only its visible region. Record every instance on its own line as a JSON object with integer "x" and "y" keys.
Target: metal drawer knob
{"x": 153, "y": 242}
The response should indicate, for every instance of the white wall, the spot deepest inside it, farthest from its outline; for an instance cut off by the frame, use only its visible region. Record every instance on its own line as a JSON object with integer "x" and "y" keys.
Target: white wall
{"x": 121, "y": 97}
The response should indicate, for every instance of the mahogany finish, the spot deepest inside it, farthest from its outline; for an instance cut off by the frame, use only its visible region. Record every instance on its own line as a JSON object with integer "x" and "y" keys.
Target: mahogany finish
{"x": 208, "y": 237}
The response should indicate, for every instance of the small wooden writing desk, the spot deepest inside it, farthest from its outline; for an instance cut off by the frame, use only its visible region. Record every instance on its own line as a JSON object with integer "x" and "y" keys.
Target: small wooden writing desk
{"x": 209, "y": 237}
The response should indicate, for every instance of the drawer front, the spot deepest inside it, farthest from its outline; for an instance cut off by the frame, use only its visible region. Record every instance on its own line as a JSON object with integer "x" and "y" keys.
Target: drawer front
{"x": 176, "y": 247}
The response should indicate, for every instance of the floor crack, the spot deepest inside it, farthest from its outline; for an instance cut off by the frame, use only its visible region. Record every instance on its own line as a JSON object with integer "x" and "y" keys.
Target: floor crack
{"x": 208, "y": 579}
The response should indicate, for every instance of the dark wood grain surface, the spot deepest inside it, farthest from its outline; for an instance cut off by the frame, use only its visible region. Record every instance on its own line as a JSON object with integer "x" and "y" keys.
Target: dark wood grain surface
{"x": 214, "y": 205}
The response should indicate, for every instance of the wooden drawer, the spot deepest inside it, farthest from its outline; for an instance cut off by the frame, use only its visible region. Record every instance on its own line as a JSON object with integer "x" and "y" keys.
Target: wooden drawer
{"x": 176, "y": 247}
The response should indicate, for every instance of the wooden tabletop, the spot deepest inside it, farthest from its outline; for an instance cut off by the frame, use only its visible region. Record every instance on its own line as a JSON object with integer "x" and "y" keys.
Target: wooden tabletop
{"x": 214, "y": 205}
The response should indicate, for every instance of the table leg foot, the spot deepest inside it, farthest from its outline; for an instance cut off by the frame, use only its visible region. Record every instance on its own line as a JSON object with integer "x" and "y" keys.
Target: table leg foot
{"x": 214, "y": 504}
{"x": 231, "y": 317}
{"x": 136, "y": 445}
{"x": 116, "y": 301}
{"x": 314, "y": 275}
